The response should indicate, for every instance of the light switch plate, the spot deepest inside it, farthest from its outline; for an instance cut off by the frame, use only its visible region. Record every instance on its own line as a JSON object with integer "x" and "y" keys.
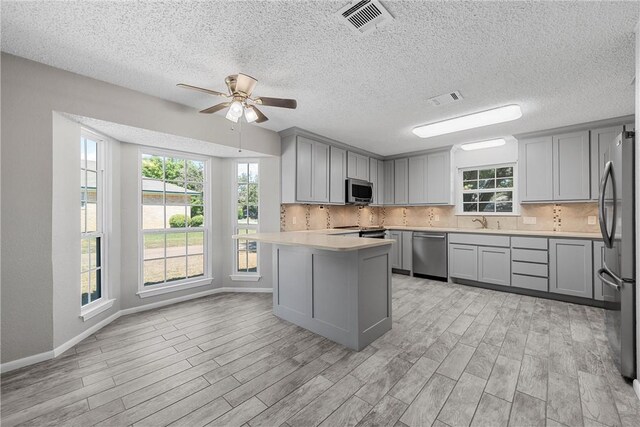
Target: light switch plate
{"x": 592, "y": 219}
{"x": 529, "y": 220}
{"x": 436, "y": 218}
{"x": 293, "y": 220}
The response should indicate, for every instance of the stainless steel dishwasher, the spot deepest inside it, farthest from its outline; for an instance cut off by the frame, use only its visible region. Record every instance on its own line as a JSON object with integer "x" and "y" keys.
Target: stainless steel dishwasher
{"x": 430, "y": 254}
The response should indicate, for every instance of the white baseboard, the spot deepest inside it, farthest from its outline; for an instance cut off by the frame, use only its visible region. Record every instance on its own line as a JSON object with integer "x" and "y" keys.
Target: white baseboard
{"x": 41, "y": 357}
{"x": 636, "y": 388}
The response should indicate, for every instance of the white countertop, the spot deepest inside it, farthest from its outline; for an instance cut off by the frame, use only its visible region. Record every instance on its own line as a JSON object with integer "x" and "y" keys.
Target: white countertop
{"x": 540, "y": 233}
{"x": 317, "y": 240}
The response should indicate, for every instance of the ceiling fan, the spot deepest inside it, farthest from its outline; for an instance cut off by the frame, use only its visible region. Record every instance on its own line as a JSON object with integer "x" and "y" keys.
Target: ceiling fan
{"x": 240, "y": 102}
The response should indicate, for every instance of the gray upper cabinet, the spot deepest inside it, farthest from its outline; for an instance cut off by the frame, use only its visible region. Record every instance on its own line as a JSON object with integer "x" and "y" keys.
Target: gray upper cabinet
{"x": 536, "y": 173}
{"x": 571, "y": 176}
{"x": 417, "y": 179}
{"x": 438, "y": 178}
{"x": 571, "y": 267}
{"x": 312, "y": 170}
{"x": 600, "y": 140}
{"x": 376, "y": 177}
{"x": 389, "y": 178}
{"x": 401, "y": 181}
{"x": 430, "y": 179}
{"x": 338, "y": 175}
{"x": 357, "y": 166}
{"x": 494, "y": 265}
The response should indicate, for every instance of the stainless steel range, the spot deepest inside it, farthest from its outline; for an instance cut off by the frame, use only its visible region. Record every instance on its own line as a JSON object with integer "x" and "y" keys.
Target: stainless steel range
{"x": 372, "y": 232}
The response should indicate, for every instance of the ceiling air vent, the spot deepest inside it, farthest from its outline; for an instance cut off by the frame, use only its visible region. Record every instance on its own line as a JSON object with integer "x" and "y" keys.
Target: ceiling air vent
{"x": 365, "y": 16}
{"x": 445, "y": 99}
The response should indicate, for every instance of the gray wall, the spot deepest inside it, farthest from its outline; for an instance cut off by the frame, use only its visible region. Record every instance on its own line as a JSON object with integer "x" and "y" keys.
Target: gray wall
{"x": 31, "y": 92}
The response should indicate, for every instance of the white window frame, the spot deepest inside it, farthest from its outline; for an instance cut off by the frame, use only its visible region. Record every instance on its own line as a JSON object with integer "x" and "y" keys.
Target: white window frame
{"x": 188, "y": 283}
{"x": 252, "y": 276}
{"x": 459, "y": 191}
{"x": 103, "y": 197}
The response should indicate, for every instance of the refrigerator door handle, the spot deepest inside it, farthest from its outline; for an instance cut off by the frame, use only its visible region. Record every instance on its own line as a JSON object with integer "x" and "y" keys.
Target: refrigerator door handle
{"x": 601, "y": 273}
{"x": 608, "y": 172}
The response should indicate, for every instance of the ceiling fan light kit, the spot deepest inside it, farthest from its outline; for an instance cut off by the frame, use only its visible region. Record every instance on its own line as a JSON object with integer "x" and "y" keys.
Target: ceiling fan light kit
{"x": 240, "y": 87}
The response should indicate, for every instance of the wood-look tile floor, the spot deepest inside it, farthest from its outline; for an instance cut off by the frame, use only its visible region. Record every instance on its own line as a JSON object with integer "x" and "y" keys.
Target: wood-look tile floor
{"x": 456, "y": 356}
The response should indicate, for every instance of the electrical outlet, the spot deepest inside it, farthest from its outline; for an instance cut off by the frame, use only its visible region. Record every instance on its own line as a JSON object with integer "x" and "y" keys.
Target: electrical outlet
{"x": 370, "y": 217}
{"x": 592, "y": 219}
{"x": 529, "y": 220}
{"x": 293, "y": 220}
{"x": 436, "y": 218}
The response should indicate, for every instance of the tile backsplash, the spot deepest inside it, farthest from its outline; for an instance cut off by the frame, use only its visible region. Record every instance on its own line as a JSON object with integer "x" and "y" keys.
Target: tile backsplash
{"x": 546, "y": 216}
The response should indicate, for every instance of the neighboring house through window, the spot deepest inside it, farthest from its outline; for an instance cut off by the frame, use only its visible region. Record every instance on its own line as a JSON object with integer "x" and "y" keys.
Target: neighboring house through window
{"x": 488, "y": 190}
{"x": 92, "y": 241}
{"x": 174, "y": 220}
{"x": 247, "y": 197}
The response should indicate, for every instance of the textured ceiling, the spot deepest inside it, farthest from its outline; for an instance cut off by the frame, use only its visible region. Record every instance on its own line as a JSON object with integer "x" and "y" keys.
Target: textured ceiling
{"x": 563, "y": 62}
{"x": 151, "y": 138}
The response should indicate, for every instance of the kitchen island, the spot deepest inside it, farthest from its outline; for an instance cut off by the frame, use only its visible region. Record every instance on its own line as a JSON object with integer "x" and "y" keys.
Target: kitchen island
{"x": 335, "y": 286}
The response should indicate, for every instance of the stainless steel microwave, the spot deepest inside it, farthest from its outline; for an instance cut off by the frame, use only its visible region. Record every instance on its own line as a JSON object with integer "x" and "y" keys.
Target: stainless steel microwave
{"x": 359, "y": 192}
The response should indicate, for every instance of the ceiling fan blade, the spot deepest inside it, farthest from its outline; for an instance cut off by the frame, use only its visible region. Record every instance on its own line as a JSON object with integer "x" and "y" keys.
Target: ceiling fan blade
{"x": 201, "y": 89}
{"x": 215, "y": 108}
{"x": 261, "y": 117}
{"x": 277, "y": 102}
{"x": 245, "y": 84}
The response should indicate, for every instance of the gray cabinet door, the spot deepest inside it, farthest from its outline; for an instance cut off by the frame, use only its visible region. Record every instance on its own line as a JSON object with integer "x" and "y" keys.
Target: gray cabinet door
{"x": 401, "y": 181}
{"x": 304, "y": 168}
{"x": 389, "y": 187}
{"x": 407, "y": 250}
{"x": 600, "y": 141}
{"x": 320, "y": 168}
{"x": 571, "y": 175}
{"x": 463, "y": 262}
{"x": 357, "y": 166}
{"x": 338, "y": 173}
{"x": 438, "y": 178}
{"x": 373, "y": 178}
{"x": 396, "y": 249}
{"x": 380, "y": 188}
{"x": 417, "y": 180}
{"x": 571, "y": 267}
{"x": 494, "y": 265}
{"x": 535, "y": 169}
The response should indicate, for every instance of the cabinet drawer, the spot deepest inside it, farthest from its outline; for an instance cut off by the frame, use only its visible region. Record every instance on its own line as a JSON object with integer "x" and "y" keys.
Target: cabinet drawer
{"x": 530, "y": 255}
{"x": 479, "y": 239}
{"x": 530, "y": 282}
{"x": 540, "y": 270}
{"x": 529, "y": 242}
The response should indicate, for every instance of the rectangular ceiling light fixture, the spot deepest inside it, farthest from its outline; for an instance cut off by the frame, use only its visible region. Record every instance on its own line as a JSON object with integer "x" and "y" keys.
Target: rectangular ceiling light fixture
{"x": 483, "y": 144}
{"x": 475, "y": 120}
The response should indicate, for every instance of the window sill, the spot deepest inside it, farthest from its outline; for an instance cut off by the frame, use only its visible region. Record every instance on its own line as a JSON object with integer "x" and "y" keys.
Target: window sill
{"x": 90, "y": 311}
{"x": 245, "y": 277}
{"x": 159, "y": 290}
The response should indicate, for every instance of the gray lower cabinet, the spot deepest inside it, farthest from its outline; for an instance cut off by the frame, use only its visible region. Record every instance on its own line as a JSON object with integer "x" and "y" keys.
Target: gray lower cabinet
{"x": 463, "y": 261}
{"x": 396, "y": 248}
{"x": 571, "y": 174}
{"x": 337, "y": 175}
{"x": 402, "y": 251}
{"x": 571, "y": 267}
{"x": 494, "y": 265}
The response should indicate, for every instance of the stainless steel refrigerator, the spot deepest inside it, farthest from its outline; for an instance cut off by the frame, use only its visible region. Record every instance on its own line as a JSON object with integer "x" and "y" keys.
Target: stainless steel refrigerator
{"x": 618, "y": 274}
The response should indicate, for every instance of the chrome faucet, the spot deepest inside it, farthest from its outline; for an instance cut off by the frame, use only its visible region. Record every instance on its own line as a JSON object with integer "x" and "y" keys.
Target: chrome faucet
{"x": 483, "y": 221}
